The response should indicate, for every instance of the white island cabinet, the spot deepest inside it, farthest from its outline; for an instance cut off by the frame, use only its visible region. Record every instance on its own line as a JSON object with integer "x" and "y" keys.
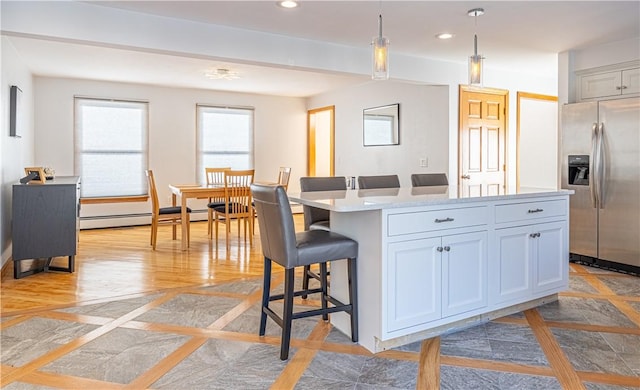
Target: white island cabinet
{"x": 430, "y": 261}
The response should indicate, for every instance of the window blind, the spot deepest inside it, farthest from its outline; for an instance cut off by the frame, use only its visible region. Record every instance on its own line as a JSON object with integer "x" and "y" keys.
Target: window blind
{"x": 111, "y": 147}
{"x": 225, "y": 138}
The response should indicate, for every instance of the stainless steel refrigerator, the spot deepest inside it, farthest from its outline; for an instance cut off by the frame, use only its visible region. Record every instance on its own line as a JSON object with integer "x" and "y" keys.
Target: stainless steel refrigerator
{"x": 600, "y": 161}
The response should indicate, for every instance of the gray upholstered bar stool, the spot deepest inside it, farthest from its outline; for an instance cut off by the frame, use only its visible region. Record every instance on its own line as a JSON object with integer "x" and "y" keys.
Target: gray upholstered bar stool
{"x": 315, "y": 218}
{"x": 429, "y": 179}
{"x": 381, "y": 181}
{"x": 280, "y": 243}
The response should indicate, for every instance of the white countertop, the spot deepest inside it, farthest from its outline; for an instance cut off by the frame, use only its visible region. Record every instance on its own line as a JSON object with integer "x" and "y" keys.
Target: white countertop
{"x": 378, "y": 199}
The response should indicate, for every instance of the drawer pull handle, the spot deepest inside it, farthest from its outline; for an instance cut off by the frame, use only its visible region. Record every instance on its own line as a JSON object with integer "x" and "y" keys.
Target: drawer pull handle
{"x": 443, "y": 220}
{"x": 535, "y": 211}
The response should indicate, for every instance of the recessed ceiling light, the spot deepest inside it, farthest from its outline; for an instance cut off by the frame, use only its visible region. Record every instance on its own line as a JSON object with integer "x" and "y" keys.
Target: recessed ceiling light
{"x": 445, "y": 36}
{"x": 288, "y": 4}
{"x": 222, "y": 74}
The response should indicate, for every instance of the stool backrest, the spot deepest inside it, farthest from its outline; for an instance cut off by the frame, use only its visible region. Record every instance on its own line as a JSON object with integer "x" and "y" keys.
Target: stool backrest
{"x": 381, "y": 181}
{"x": 309, "y": 184}
{"x": 429, "y": 179}
{"x": 277, "y": 230}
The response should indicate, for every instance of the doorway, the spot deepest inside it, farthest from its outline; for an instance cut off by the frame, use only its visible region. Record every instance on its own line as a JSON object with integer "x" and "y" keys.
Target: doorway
{"x": 482, "y": 146}
{"x": 320, "y": 141}
{"x": 537, "y": 128}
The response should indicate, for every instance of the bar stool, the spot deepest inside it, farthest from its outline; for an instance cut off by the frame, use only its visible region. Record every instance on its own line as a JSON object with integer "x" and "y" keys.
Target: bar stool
{"x": 429, "y": 179}
{"x": 281, "y": 244}
{"x": 381, "y": 181}
{"x": 315, "y": 218}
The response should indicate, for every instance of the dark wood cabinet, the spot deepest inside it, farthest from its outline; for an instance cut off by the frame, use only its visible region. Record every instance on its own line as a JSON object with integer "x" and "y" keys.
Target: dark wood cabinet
{"x": 45, "y": 224}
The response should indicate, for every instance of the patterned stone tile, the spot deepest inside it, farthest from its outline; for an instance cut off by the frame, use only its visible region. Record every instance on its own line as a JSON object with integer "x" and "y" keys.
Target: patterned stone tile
{"x": 119, "y": 356}
{"x": 571, "y": 338}
{"x": 578, "y": 284}
{"x": 389, "y": 373}
{"x": 192, "y": 310}
{"x": 33, "y": 338}
{"x": 249, "y": 322}
{"x": 224, "y": 364}
{"x": 25, "y": 386}
{"x": 455, "y": 378}
{"x": 336, "y": 367}
{"x": 114, "y": 309}
{"x": 623, "y": 343}
{"x": 510, "y": 332}
{"x": 590, "y": 311}
{"x": 584, "y": 359}
{"x": 564, "y": 309}
{"x": 623, "y": 285}
{"x": 600, "y": 386}
{"x": 312, "y": 383}
{"x": 246, "y": 287}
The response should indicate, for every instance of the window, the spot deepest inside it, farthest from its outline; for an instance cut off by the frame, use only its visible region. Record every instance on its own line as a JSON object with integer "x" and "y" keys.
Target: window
{"x": 225, "y": 138}
{"x": 111, "y": 147}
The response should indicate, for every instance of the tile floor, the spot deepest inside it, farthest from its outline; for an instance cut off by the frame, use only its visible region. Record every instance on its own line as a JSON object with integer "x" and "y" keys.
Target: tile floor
{"x": 206, "y": 338}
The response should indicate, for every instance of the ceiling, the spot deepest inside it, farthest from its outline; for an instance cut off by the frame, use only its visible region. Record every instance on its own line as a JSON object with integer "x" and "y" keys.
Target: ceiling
{"x": 520, "y": 35}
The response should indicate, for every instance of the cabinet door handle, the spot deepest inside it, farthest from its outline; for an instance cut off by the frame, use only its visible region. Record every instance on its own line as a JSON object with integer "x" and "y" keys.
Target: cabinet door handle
{"x": 439, "y": 249}
{"x": 447, "y": 248}
{"x": 623, "y": 87}
{"x": 535, "y": 211}
{"x": 534, "y": 235}
{"x": 465, "y": 177}
{"x": 443, "y": 220}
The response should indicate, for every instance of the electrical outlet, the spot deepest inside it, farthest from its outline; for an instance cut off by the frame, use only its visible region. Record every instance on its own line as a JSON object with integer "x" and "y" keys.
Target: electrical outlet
{"x": 424, "y": 162}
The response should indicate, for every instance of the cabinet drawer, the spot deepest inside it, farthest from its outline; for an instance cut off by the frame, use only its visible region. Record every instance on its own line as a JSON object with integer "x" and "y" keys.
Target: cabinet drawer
{"x": 530, "y": 210}
{"x": 424, "y": 221}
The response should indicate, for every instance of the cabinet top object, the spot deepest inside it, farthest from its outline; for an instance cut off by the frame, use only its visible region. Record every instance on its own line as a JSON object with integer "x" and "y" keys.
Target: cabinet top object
{"x": 58, "y": 180}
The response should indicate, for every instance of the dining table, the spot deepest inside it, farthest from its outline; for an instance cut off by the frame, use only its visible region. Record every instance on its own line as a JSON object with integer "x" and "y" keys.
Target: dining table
{"x": 193, "y": 191}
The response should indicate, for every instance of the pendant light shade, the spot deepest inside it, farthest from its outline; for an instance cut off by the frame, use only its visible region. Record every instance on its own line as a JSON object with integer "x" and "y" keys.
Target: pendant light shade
{"x": 380, "y": 55}
{"x": 475, "y": 64}
{"x": 475, "y": 61}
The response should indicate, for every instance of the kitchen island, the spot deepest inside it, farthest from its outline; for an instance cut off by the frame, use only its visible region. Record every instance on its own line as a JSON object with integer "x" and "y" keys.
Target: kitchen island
{"x": 431, "y": 262}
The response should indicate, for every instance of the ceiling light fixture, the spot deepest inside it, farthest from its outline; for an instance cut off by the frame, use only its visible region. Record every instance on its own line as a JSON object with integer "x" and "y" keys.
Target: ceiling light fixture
{"x": 380, "y": 54}
{"x": 445, "y": 36}
{"x": 475, "y": 61}
{"x": 288, "y": 4}
{"x": 222, "y": 74}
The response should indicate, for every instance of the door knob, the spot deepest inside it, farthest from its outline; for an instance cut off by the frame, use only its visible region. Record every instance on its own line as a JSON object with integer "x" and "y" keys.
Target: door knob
{"x": 465, "y": 177}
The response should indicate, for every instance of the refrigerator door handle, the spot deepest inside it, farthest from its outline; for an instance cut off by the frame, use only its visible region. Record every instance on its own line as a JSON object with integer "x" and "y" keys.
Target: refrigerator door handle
{"x": 601, "y": 166}
{"x": 592, "y": 166}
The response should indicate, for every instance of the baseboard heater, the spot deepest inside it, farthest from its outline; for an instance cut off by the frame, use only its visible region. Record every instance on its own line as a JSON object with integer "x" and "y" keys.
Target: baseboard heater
{"x": 131, "y": 215}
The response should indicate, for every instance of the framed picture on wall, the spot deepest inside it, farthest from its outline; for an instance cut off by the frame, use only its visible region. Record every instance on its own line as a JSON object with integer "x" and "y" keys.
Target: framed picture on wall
{"x": 15, "y": 97}
{"x": 37, "y": 172}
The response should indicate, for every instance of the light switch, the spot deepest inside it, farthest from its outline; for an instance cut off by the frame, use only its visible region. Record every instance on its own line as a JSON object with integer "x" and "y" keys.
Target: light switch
{"x": 424, "y": 162}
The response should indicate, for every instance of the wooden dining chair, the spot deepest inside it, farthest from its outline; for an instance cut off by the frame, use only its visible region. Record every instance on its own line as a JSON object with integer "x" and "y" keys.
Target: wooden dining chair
{"x": 163, "y": 215}
{"x": 237, "y": 204}
{"x": 283, "y": 177}
{"x": 214, "y": 176}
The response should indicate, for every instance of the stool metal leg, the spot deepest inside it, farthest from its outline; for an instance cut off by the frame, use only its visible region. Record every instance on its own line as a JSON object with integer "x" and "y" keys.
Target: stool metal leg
{"x": 305, "y": 280}
{"x": 352, "y": 275}
{"x": 287, "y": 313}
{"x": 266, "y": 291}
{"x": 325, "y": 290}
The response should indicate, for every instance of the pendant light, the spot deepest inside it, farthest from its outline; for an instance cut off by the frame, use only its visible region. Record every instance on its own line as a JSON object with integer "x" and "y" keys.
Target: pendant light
{"x": 380, "y": 54}
{"x": 475, "y": 61}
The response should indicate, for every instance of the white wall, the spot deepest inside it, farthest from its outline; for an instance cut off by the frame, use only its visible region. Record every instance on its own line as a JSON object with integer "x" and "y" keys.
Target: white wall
{"x": 424, "y": 129}
{"x": 280, "y": 135}
{"x": 17, "y": 153}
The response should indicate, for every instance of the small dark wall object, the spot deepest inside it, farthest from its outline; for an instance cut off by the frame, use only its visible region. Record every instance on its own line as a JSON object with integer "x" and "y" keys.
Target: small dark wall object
{"x": 29, "y": 177}
{"x": 14, "y": 109}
